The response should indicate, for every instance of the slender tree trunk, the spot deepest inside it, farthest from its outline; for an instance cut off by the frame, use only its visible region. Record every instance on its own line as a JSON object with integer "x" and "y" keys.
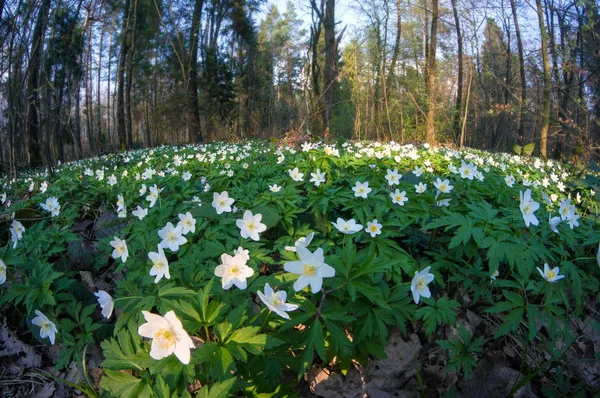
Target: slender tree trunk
{"x": 192, "y": 87}
{"x": 99, "y": 139}
{"x": 330, "y": 59}
{"x": 431, "y": 75}
{"x": 546, "y": 91}
{"x": 129, "y": 79}
{"x": 121, "y": 132}
{"x": 89, "y": 93}
{"x": 459, "y": 89}
{"x": 109, "y": 101}
{"x": 32, "y": 129}
{"x": 523, "y": 102}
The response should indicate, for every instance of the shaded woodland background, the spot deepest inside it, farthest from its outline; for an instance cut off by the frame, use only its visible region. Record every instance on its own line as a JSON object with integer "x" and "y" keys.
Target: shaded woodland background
{"x": 79, "y": 78}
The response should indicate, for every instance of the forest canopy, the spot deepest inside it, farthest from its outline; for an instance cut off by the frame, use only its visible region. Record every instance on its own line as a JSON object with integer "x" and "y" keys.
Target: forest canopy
{"x": 84, "y": 77}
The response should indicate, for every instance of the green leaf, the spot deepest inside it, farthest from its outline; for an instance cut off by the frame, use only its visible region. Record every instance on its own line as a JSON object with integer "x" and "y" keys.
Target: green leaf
{"x": 528, "y": 149}
{"x": 511, "y": 322}
{"x": 218, "y": 389}
{"x": 171, "y": 290}
{"x": 513, "y": 297}
{"x": 316, "y": 340}
{"x": 124, "y": 354}
{"x": 442, "y": 311}
{"x": 120, "y": 384}
{"x": 221, "y": 363}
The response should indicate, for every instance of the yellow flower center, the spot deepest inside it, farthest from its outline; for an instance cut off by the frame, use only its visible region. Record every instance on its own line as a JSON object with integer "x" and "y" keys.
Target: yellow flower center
{"x": 443, "y": 187}
{"x": 221, "y": 203}
{"x": 527, "y": 209}
{"x": 373, "y": 228}
{"x": 276, "y": 301}
{"x": 171, "y": 236}
{"x": 165, "y": 338}
{"x": 421, "y": 284}
{"x": 309, "y": 270}
{"x": 234, "y": 271}
{"x": 158, "y": 264}
{"x": 251, "y": 226}
{"x": 45, "y": 327}
{"x": 550, "y": 274}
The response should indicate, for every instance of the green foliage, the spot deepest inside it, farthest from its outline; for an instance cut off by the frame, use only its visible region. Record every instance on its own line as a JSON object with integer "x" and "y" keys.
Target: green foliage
{"x": 463, "y": 351}
{"x": 471, "y": 239}
{"x": 526, "y": 150}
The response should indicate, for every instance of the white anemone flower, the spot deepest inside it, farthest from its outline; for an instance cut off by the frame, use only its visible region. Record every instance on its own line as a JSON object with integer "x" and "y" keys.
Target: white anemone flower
{"x": 106, "y": 303}
{"x": 443, "y": 186}
{"x": 347, "y": 227}
{"x": 250, "y": 226}
{"x": 467, "y": 170}
{"x": 361, "y": 190}
{"x": 153, "y": 196}
{"x": 172, "y": 237}
{"x": 318, "y": 178}
{"x": 419, "y": 284}
{"x": 296, "y": 175}
{"x": 233, "y": 271}
{"x": 2, "y": 272}
{"x": 160, "y": 265}
{"x": 551, "y": 275}
{"x": 121, "y": 250}
{"x": 276, "y": 301}
{"x": 52, "y": 206}
{"x": 398, "y": 197}
{"x": 168, "y": 336}
{"x": 304, "y": 241}
{"x": 528, "y": 207}
{"x": 222, "y": 202}
{"x": 140, "y": 212}
{"x": 553, "y": 221}
{"x": 393, "y": 177}
{"x": 244, "y": 252}
{"x": 187, "y": 223}
{"x": 373, "y": 228}
{"x": 16, "y": 232}
{"x": 311, "y": 267}
{"x": 47, "y": 327}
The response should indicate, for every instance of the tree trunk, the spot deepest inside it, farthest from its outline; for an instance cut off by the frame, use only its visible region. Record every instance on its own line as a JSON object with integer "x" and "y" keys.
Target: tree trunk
{"x": 546, "y": 91}
{"x": 523, "y": 102}
{"x": 459, "y": 89}
{"x": 330, "y": 60}
{"x": 430, "y": 71}
{"x": 109, "y": 101}
{"x": 192, "y": 87}
{"x": 89, "y": 93}
{"x": 32, "y": 128}
{"x": 99, "y": 140}
{"x": 121, "y": 79}
{"x": 129, "y": 79}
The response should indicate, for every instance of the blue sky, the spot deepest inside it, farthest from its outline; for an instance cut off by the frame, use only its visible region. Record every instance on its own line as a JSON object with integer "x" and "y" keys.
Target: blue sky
{"x": 344, "y": 12}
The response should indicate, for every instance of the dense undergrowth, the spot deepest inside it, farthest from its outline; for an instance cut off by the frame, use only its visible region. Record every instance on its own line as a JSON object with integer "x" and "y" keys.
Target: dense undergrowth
{"x": 200, "y": 249}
